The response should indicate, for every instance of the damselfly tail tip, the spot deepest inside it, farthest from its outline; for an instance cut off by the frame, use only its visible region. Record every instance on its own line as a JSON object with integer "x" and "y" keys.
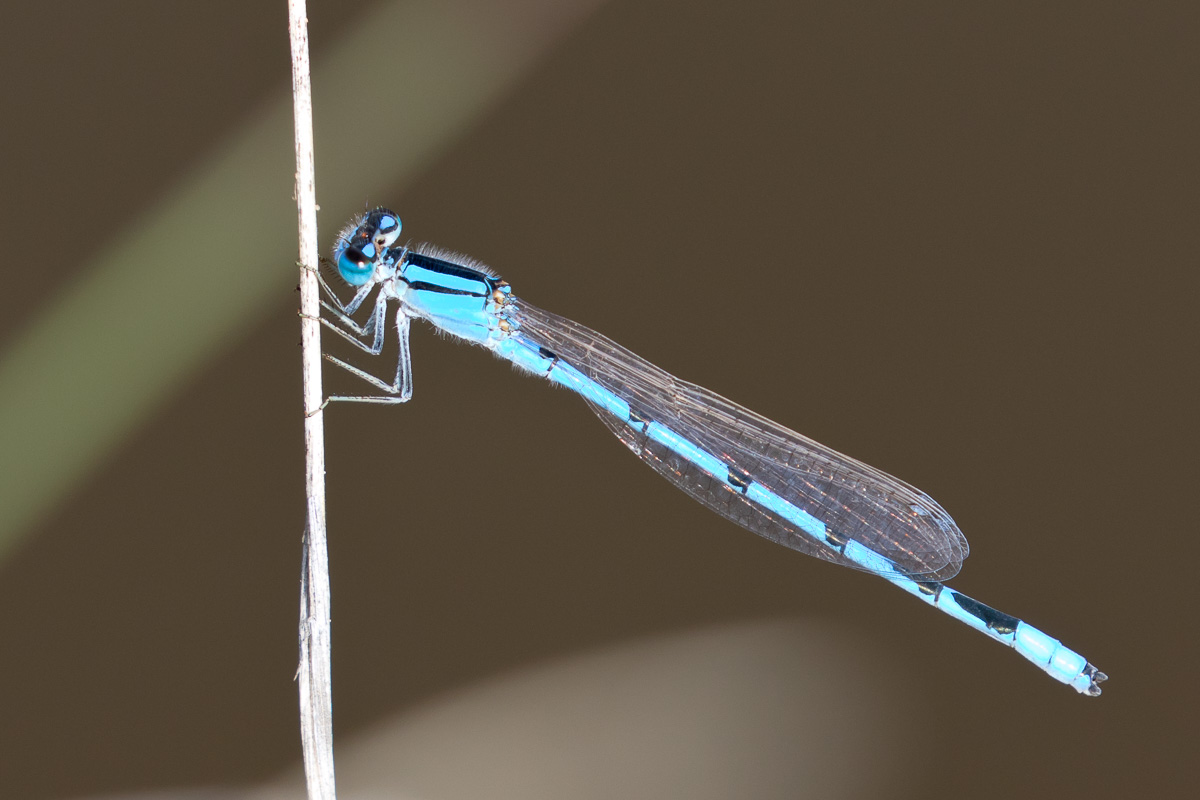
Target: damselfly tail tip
{"x": 1097, "y": 677}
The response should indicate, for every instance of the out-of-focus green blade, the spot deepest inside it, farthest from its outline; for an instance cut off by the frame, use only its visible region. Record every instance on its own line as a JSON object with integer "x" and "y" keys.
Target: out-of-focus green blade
{"x": 189, "y": 278}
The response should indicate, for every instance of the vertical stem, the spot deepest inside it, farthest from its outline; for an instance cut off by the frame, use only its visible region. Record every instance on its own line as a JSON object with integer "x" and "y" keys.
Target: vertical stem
{"x": 314, "y": 675}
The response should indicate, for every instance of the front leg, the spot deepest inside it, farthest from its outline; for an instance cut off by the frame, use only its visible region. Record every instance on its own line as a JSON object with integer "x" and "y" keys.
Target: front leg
{"x": 336, "y": 305}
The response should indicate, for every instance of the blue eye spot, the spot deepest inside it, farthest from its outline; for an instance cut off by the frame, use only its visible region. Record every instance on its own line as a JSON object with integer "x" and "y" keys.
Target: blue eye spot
{"x": 387, "y": 226}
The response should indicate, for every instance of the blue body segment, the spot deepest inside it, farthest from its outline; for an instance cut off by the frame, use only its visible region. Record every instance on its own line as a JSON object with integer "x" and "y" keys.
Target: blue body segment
{"x": 766, "y": 478}
{"x": 773, "y": 502}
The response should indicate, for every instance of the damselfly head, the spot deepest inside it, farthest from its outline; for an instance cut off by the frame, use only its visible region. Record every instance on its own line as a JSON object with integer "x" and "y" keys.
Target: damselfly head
{"x": 364, "y": 244}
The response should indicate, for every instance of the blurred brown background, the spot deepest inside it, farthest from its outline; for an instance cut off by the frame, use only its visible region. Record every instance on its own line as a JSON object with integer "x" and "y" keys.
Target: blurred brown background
{"x": 957, "y": 241}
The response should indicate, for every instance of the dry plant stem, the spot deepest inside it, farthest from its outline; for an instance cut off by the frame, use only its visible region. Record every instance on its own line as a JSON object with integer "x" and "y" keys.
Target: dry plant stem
{"x": 314, "y": 674}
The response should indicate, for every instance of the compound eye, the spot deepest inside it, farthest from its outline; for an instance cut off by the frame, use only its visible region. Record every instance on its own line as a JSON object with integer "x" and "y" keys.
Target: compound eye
{"x": 355, "y": 266}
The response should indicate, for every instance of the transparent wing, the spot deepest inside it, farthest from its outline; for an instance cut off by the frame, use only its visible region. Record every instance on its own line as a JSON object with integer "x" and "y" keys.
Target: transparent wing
{"x": 854, "y": 500}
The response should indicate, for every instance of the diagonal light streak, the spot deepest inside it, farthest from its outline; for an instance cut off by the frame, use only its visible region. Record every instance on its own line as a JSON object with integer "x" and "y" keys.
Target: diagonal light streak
{"x": 115, "y": 344}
